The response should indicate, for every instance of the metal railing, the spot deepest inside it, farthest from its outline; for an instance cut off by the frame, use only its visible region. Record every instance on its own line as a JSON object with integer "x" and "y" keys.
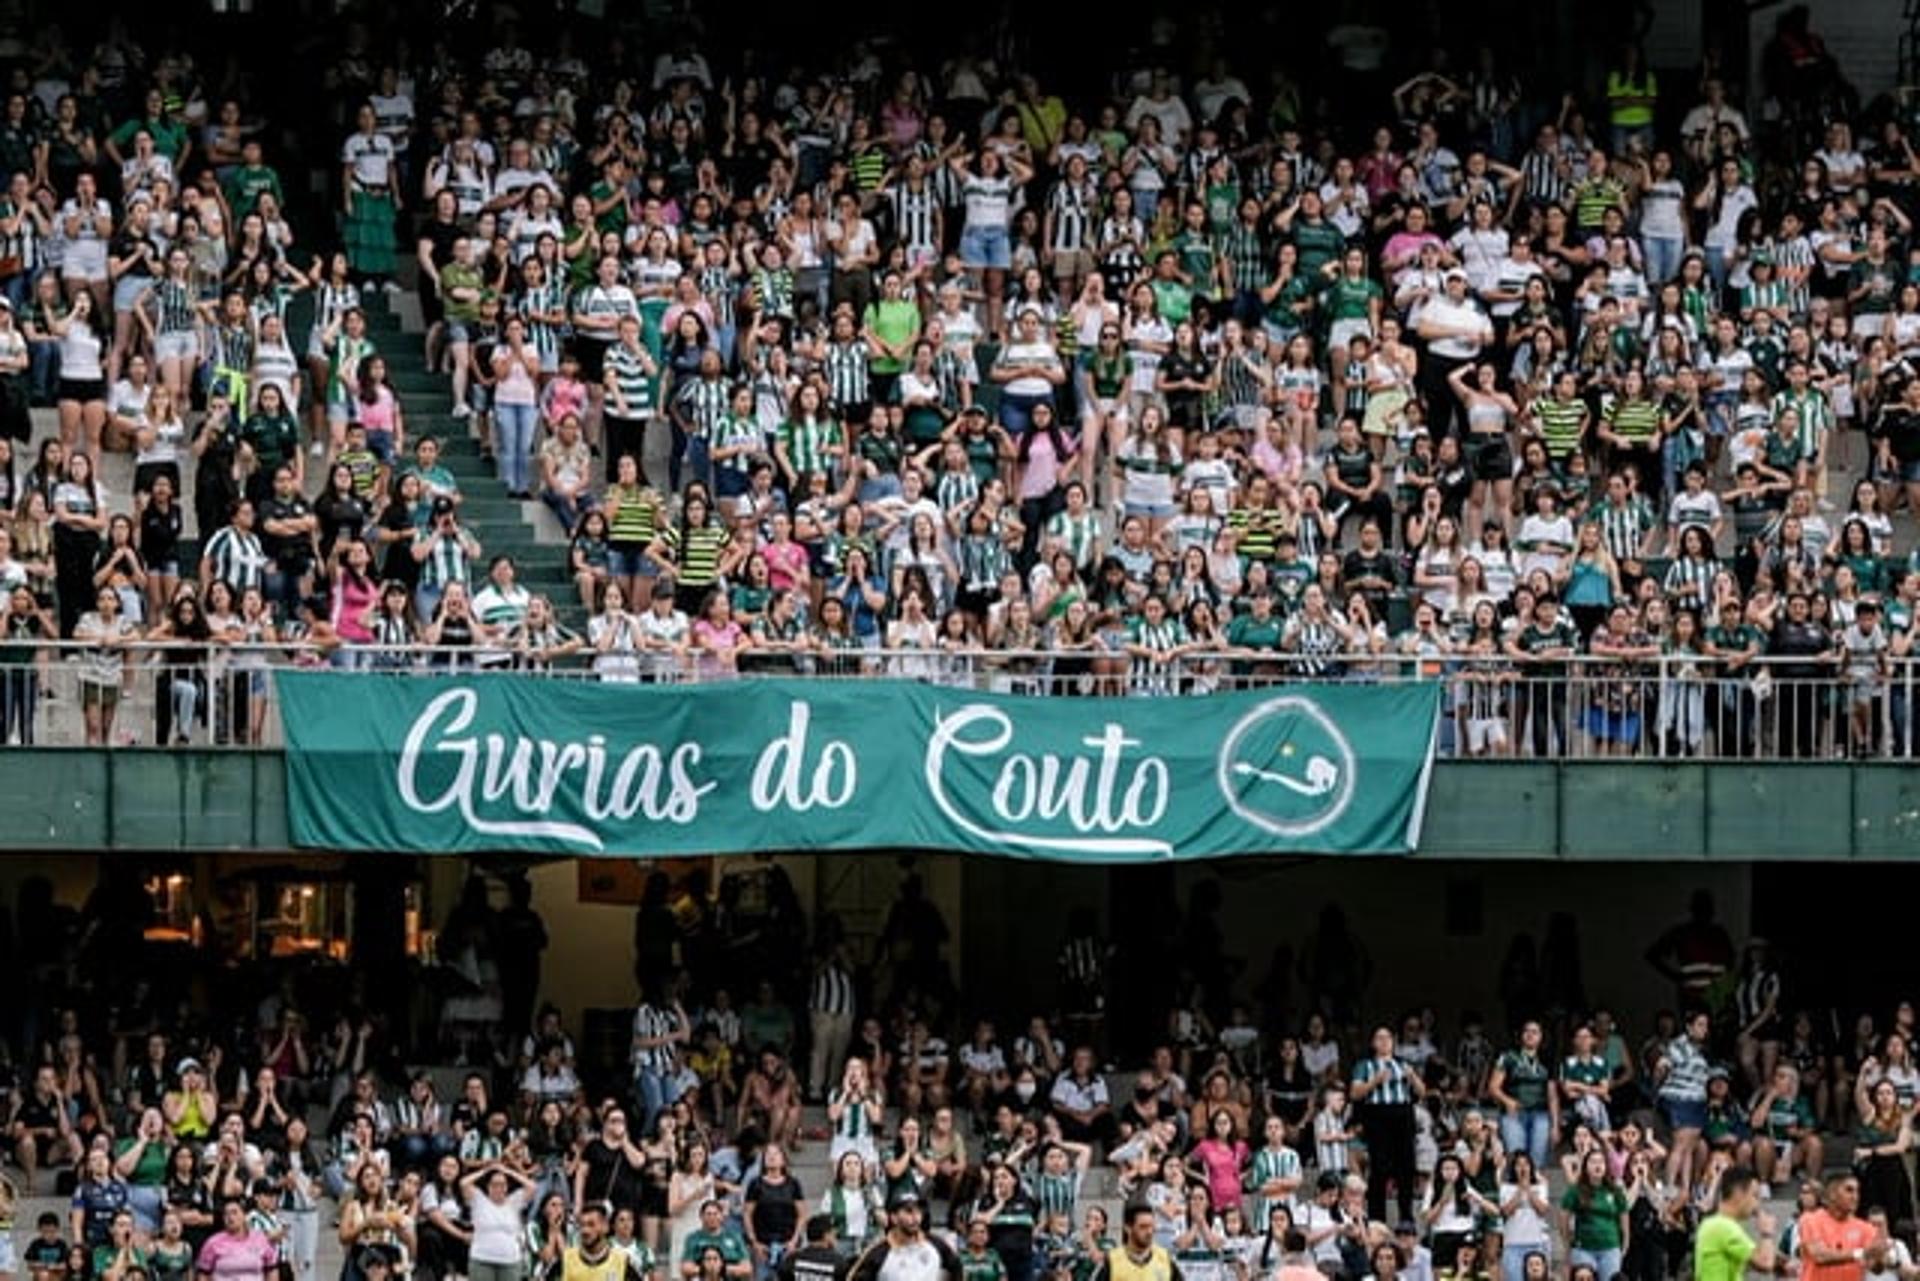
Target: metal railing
{"x": 1676, "y": 707}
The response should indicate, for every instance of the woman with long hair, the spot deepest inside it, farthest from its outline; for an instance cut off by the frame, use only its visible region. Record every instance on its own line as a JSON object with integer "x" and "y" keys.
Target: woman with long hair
{"x": 79, "y": 521}
{"x": 83, "y": 376}
{"x": 1594, "y": 1217}
{"x": 181, "y": 691}
{"x": 1882, "y": 1137}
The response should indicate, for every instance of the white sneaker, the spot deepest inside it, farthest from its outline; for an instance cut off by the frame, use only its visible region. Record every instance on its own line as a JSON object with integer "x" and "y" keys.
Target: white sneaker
{"x": 462, "y": 411}
{"x": 392, "y": 287}
{"x": 317, "y": 449}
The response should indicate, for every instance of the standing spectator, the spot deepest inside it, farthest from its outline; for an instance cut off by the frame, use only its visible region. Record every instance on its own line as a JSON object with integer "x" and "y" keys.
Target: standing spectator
{"x": 372, "y": 200}
{"x": 1385, "y": 1089}
{"x": 831, "y": 1009}
{"x": 1523, "y": 1087}
{"x": 660, "y": 1028}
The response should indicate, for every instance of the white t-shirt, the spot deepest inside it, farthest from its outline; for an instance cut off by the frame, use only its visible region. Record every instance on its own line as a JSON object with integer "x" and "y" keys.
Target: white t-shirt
{"x": 988, "y": 201}
{"x": 371, "y": 157}
{"x": 1721, "y": 234}
{"x": 1524, "y": 1226}
{"x": 497, "y": 1228}
{"x": 1660, "y": 210}
{"x": 916, "y": 1262}
{"x": 1444, "y": 311}
{"x": 86, "y": 248}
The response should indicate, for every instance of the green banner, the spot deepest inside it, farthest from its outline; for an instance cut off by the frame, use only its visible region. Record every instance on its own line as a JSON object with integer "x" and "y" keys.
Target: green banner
{"x": 462, "y": 764}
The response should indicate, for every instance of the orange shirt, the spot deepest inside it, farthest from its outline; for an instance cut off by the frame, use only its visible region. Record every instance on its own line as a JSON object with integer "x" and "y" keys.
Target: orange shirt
{"x": 1817, "y": 1227}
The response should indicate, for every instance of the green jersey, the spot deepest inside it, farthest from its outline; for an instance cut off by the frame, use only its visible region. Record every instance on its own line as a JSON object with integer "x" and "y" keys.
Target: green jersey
{"x": 1596, "y": 1219}
{"x": 1198, "y": 259}
{"x": 984, "y": 1266}
{"x": 1351, "y": 299}
{"x": 1721, "y": 1249}
{"x": 1526, "y": 1079}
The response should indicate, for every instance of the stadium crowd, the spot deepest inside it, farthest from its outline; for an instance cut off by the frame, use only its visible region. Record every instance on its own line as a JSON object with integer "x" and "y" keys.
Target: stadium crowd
{"x": 1246, "y": 1140}
{"x": 1153, "y": 390}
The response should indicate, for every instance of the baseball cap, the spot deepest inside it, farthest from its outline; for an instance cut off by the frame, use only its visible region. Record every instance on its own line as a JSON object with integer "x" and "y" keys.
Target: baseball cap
{"x": 902, "y": 1198}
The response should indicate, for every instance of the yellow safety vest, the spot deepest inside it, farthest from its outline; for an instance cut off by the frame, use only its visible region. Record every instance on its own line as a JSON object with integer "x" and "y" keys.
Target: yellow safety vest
{"x": 1122, "y": 1267}
{"x": 1630, "y": 115}
{"x": 575, "y": 1267}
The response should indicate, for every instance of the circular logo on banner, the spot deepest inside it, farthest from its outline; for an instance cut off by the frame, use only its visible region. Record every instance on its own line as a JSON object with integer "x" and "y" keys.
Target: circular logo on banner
{"x": 1286, "y": 768}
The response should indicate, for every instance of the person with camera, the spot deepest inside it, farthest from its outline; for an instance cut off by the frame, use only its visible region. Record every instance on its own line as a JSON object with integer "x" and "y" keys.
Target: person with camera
{"x": 445, "y": 551}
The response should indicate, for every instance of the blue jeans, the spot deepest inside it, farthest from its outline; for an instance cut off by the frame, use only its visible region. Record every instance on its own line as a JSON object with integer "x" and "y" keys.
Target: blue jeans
{"x": 1016, "y": 411}
{"x": 776, "y": 1251}
{"x": 147, "y": 1203}
{"x": 1528, "y": 1130}
{"x": 1513, "y": 1260}
{"x": 1605, "y": 1263}
{"x": 1663, "y": 258}
{"x": 569, "y": 510}
{"x": 650, "y": 1088}
{"x": 1717, "y": 269}
{"x": 882, "y": 487}
{"x": 43, "y": 369}
{"x": 513, "y": 427}
{"x": 693, "y": 458}
{"x": 426, "y": 598}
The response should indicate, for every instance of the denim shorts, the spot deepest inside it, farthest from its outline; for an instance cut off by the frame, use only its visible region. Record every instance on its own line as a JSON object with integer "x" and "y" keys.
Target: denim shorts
{"x": 1684, "y": 1114}
{"x": 631, "y": 564}
{"x": 1150, "y": 511}
{"x": 987, "y": 247}
{"x": 176, "y": 346}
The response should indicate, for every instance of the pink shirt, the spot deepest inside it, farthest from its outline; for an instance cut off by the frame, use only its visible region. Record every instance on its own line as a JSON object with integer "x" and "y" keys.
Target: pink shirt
{"x": 1043, "y": 468}
{"x": 351, "y": 601}
{"x": 231, "y": 1258}
{"x": 1222, "y": 1162}
{"x": 786, "y": 562}
{"x": 725, "y": 640}
{"x": 1404, "y": 246}
{"x": 378, "y": 416}
{"x": 565, "y": 396}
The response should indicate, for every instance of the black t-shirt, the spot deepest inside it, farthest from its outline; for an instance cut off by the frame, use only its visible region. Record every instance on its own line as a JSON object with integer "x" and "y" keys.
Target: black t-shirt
{"x": 775, "y": 1209}
{"x": 36, "y": 1114}
{"x": 1799, "y": 640}
{"x": 814, "y": 1263}
{"x": 1900, "y": 428}
{"x": 1359, "y": 565}
{"x": 399, "y": 563}
{"x": 1184, "y": 367}
{"x": 160, "y": 534}
{"x": 609, "y": 1177}
{"x": 440, "y": 236}
{"x": 1353, "y": 466}
{"x": 292, "y": 551}
{"x": 124, "y": 243}
{"x": 341, "y": 518}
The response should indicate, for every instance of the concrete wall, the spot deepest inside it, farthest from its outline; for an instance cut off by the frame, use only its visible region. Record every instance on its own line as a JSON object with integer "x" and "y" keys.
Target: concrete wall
{"x": 1399, "y": 909}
